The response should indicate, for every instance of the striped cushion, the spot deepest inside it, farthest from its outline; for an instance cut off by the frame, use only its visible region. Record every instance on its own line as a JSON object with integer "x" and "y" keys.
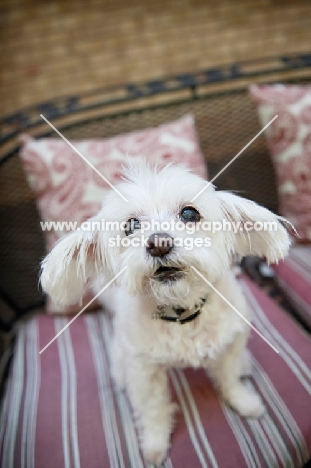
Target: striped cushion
{"x": 294, "y": 277}
{"x": 61, "y": 410}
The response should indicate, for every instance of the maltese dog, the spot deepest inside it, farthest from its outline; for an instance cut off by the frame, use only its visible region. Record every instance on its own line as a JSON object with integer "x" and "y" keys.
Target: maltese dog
{"x": 167, "y": 303}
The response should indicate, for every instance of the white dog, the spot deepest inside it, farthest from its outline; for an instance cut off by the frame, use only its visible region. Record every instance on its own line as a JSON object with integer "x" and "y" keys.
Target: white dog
{"x": 165, "y": 313}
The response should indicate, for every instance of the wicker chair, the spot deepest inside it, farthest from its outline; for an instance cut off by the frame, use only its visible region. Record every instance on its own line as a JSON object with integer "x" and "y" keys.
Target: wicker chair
{"x": 226, "y": 121}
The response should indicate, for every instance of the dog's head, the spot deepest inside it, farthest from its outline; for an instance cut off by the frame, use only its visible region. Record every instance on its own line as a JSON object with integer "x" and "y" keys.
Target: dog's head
{"x": 159, "y": 234}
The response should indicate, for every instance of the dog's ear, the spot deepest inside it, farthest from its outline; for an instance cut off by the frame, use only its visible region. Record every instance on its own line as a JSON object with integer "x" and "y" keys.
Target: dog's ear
{"x": 260, "y": 232}
{"x": 74, "y": 260}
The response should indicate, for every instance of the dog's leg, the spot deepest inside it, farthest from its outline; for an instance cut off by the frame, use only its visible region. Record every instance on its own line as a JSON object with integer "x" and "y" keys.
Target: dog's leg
{"x": 245, "y": 364}
{"x": 147, "y": 386}
{"x": 226, "y": 372}
{"x": 118, "y": 363}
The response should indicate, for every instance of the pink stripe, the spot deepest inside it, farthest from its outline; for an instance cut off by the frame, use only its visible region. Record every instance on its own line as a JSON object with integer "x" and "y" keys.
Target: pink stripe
{"x": 48, "y": 445}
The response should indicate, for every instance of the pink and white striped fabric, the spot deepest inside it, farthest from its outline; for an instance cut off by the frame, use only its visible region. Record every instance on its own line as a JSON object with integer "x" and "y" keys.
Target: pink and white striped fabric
{"x": 294, "y": 277}
{"x": 61, "y": 409}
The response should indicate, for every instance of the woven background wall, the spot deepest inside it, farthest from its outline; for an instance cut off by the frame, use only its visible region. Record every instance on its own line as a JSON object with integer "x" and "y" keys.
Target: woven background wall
{"x": 56, "y": 47}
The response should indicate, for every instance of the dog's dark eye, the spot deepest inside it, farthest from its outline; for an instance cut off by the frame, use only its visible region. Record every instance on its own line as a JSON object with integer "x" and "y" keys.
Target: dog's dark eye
{"x": 131, "y": 225}
{"x": 190, "y": 215}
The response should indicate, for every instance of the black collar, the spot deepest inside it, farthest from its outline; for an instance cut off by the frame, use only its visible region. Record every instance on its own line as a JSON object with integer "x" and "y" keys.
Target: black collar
{"x": 180, "y": 315}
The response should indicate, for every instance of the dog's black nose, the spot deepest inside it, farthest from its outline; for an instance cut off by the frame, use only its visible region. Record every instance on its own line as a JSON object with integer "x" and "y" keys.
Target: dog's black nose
{"x": 159, "y": 244}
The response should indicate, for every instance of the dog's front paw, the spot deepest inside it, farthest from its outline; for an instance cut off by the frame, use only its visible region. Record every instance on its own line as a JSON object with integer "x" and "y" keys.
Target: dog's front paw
{"x": 245, "y": 402}
{"x": 155, "y": 450}
{"x": 246, "y": 365}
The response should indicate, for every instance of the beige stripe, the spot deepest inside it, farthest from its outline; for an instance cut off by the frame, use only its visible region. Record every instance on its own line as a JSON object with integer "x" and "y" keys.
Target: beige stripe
{"x": 28, "y": 432}
{"x": 33, "y": 424}
{"x": 72, "y": 395}
{"x": 64, "y": 391}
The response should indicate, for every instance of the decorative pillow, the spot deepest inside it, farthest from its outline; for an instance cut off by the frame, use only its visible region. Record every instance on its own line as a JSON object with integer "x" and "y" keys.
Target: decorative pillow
{"x": 289, "y": 140}
{"x": 68, "y": 189}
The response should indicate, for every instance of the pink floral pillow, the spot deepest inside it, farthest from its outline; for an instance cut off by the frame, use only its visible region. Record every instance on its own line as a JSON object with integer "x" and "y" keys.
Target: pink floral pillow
{"x": 68, "y": 189}
{"x": 289, "y": 140}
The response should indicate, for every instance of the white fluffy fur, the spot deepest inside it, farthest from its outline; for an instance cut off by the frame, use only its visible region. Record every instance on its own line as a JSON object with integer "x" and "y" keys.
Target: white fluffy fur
{"x": 143, "y": 348}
